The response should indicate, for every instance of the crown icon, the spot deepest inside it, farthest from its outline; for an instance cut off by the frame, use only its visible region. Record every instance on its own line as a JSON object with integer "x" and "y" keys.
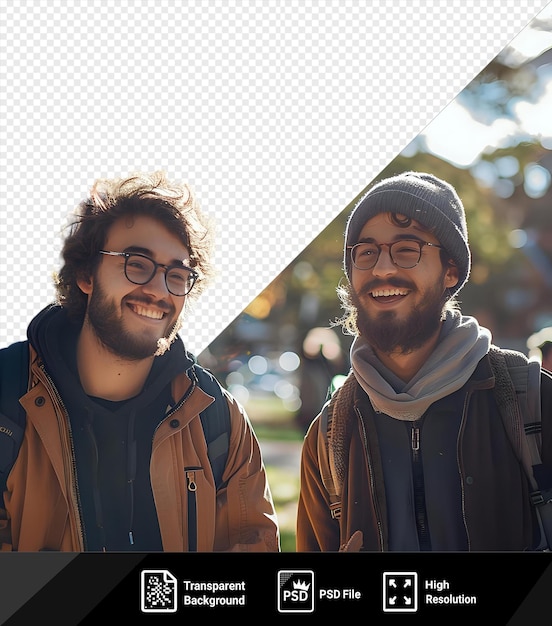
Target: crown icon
{"x": 301, "y": 585}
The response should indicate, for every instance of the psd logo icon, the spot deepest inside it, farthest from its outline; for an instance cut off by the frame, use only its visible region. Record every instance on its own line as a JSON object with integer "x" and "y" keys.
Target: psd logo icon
{"x": 295, "y": 591}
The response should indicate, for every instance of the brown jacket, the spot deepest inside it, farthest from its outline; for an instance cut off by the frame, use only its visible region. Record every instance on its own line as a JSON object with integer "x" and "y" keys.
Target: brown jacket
{"x": 41, "y": 501}
{"x": 495, "y": 494}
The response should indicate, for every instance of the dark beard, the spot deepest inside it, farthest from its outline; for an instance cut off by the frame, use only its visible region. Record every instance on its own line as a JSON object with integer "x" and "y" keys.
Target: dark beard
{"x": 387, "y": 334}
{"x": 102, "y": 315}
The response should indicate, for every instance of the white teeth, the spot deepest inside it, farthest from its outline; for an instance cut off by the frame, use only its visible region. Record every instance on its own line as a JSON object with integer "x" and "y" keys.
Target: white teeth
{"x": 388, "y": 292}
{"x": 156, "y": 315}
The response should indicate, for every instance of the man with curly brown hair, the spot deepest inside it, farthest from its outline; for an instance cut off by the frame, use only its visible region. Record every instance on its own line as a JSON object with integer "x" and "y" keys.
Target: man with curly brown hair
{"x": 114, "y": 454}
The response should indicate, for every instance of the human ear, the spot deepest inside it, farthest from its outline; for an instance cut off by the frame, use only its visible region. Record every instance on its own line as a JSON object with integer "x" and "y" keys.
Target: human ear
{"x": 85, "y": 284}
{"x": 451, "y": 275}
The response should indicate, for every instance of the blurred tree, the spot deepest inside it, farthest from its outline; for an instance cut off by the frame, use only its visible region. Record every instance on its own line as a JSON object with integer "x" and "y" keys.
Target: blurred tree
{"x": 510, "y": 231}
{"x": 512, "y": 76}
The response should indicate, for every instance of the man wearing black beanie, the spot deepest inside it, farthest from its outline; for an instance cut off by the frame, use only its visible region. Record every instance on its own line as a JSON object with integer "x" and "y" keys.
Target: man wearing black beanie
{"x": 412, "y": 452}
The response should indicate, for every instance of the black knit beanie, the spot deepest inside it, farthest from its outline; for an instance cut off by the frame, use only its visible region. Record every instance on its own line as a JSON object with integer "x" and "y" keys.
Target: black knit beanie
{"x": 425, "y": 198}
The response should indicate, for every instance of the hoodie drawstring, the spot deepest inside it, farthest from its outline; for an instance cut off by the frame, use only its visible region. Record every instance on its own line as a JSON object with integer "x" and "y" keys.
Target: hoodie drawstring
{"x": 131, "y": 472}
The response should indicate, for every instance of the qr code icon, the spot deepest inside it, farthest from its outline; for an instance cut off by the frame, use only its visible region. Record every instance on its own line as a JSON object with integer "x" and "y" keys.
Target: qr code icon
{"x": 158, "y": 591}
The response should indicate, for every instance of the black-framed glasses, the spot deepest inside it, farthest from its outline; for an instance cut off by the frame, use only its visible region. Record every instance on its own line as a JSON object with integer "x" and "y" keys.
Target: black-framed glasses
{"x": 404, "y": 253}
{"x": 140, "y": 269}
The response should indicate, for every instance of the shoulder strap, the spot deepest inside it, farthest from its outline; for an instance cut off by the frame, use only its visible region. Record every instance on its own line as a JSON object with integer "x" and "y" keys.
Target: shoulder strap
{"x": 14, "y": 381}
{"x": 322, "y": 449}
{"x": 215, "y": 421}
{"x": 517, "y": 405}
{"x": 330, "y": 446}
{"x": 517, "y": 392}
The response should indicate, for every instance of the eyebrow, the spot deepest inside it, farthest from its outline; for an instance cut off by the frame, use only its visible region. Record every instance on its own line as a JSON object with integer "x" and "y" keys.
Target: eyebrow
{"x": 150, "y": 253}
{"x": 400, "y": 237}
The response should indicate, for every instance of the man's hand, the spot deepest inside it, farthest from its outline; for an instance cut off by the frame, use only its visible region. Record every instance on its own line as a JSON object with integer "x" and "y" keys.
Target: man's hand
{"x": 354, "y": 544}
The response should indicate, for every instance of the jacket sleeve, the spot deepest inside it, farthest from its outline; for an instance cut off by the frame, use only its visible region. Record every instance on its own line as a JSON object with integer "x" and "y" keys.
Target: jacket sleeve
{"x": 316, "y": 529}
{"x": 246, "y": 517}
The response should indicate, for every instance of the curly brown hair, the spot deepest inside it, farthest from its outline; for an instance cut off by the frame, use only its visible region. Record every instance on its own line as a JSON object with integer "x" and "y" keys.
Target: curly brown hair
{"x": 172, "y": 204}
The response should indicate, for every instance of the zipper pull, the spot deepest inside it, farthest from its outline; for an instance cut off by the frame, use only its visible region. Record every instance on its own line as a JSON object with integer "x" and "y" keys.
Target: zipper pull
{"x": 415, "y": 438}
{"x": 190, "y": 477}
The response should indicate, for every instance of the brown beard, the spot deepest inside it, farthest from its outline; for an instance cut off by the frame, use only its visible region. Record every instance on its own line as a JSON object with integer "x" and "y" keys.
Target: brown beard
{"x": 386, "y": 333}
{"x": 103, "y": 317}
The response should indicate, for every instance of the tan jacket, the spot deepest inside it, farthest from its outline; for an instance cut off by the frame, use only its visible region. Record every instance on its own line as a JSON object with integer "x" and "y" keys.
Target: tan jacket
{"x": 41, "y": 501}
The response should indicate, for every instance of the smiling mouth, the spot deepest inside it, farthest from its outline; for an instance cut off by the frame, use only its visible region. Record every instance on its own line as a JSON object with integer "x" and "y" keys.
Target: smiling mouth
{"x": 386, "y": 293}
{"x": 152, "y": 314}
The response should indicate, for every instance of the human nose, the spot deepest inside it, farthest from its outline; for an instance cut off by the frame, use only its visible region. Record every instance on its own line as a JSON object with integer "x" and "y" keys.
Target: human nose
{"x": 384, "y": 264}
{"x": 157, "y": 285}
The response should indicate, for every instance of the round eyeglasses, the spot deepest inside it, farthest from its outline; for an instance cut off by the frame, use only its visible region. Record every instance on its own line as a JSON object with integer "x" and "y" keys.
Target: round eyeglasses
{"x": 140, "y": 269}
{"x": 405, "y": 253}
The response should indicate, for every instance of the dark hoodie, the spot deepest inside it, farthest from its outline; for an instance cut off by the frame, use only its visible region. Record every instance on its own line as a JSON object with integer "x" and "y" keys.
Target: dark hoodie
{"x": 112, "y": 440}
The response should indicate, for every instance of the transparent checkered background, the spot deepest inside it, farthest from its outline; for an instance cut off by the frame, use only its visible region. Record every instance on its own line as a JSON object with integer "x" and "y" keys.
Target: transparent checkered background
{"x": 277, "y": 113}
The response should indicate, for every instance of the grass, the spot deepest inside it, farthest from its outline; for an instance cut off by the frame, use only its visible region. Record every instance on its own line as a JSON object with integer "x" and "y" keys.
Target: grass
{"x": 272, "y": 423}
{"x": 285, "y": 492}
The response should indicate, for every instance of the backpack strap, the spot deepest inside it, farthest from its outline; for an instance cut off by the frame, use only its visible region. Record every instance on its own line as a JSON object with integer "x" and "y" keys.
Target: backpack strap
{"x": 332, "y": 441}
{"x": 517, "y": 392}
{"x": 14, "y": 382}
{"x": 215, "y": 420}
{"x": 324, "y": 432}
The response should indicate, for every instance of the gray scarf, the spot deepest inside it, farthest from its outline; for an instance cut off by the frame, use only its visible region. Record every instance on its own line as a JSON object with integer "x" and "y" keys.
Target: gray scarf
{"x": 462, "y": 344}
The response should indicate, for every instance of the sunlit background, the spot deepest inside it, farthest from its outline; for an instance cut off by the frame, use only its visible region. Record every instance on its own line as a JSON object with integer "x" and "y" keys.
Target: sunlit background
{"x": 283, "y": 355}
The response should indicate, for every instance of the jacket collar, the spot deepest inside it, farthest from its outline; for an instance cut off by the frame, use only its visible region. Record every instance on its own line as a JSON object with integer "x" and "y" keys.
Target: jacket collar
{"x": 483, "y": 376}
{"x": 192, "y": 400}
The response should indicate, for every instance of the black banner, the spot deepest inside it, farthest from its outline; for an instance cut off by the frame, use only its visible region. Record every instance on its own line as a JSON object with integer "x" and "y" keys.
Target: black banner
{"x": 505, "y": 589}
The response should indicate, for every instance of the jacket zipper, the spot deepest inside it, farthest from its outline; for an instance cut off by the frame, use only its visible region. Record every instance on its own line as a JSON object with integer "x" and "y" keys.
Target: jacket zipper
{"x": 176, "y": 407}
{"x": 191, "y": 485}
{"x": 189, "y": 473}
{"x": 74, "y": 490}
{"x": 461, "y": 468}
{"x": 420, "y": 512}
{"x": 371, "y": 478}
